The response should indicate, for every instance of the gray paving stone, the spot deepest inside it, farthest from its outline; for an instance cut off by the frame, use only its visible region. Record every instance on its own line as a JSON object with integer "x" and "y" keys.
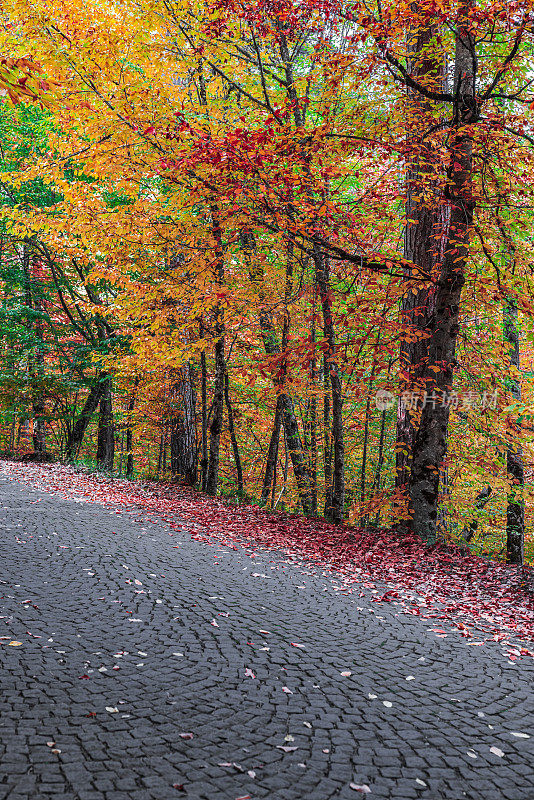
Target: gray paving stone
{"x": 82, "y": 581}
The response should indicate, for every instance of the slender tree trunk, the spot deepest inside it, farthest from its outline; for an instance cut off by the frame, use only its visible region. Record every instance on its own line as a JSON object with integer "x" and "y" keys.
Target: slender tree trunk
{"x": 430, "y": 442}
{"x": 365, "y": 443}
{"x": 204, "y": 397}
{"x": 480, "y": 501}
{"x": 33, "y": 303}
{"x": 233, "y": 439}
{"x": 327, "y": 447}
{"x": 220, "y": 365}
{"x": 333, "y": 371}
{"x": 75, "y": 438}
{"x": 129, "y": 437}
{"x": 378, "y": 474}
{"x": 313, "y": 422}
{"x": 183, "y": 428}
{"x": 272, "y": 454}
{"x": 275, "y": 472}
{"x": 164, "y": 448}
{"x": 38, "y": 400}
{"x": 272, "y": 345}
{"x": 313, "y": 450}
{"x": 215, "y": 428}
{"x": 515, "y": 506}
{"x": 121, "y": 451}
{"x": 12, "y": 433}
{"x": 105, "y": 452}
{"x": 161, "y": 447}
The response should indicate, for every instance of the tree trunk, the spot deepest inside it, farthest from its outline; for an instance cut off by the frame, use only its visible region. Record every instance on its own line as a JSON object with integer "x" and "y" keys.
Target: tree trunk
{"x": 161, "y": 448}
{"x": 272, "y": 454}
{"x": 425, "y": 224}
{"x": 378, "y": 474}
{"x": 515, "y": 504}
{"x": 33, "y": 303}
{"x": 364, "y": 454}
{"x": 220, "y": 366}
{"x": 105, "y": 451}
{"x": 183, "y": 429}
{"x": 313, "y": 446}
{"x": 129, "y": 436}
{"x": 38, "y": 399}
{"x": 215, "y": 428}
{"x": 430, "y": 442}
{"x": 233, "y": 439}
{"x": 480, "y": 501}
{"x": 204, "y": 396}
{"x": 75, "y": 438}
{"x": 272, "y": 346}
{"x": 327, "y": 449}
{"x": 333, "y": 372}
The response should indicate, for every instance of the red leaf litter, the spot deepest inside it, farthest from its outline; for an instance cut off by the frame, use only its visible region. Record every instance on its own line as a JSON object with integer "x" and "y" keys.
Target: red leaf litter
{"x": 470, "y": 594}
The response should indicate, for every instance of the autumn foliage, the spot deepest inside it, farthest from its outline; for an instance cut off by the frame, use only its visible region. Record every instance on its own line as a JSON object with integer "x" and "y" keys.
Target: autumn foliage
{"x": 236, "y": 223}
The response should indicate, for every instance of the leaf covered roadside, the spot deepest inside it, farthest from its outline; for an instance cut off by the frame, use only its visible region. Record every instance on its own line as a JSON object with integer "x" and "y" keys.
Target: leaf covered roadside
{"x": 474, "y": 597}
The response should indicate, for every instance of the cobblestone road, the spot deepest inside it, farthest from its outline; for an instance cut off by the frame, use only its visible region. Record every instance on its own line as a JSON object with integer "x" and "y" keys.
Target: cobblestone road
{"x": 158, "y": 667}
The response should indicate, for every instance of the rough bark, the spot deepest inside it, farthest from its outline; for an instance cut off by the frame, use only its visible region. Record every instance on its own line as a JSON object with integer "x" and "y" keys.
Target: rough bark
{"x": 430, "y": 441}
{"x": 425, "y": 222}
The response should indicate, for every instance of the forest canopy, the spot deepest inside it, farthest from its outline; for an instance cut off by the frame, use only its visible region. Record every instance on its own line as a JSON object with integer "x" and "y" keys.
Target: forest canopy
{"x": 276, "y": 251}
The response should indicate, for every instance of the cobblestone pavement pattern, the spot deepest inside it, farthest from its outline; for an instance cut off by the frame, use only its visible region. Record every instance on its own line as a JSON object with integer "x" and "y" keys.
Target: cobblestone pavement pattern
{"x": 145, "y": 640}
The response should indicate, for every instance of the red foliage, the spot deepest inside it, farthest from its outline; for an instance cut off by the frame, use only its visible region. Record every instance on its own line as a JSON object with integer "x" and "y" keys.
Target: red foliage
{"x": 438, "y": 583}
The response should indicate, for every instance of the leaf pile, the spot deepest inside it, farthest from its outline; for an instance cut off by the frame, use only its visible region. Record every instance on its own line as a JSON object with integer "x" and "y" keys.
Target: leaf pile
{"x": 474, "y": 596}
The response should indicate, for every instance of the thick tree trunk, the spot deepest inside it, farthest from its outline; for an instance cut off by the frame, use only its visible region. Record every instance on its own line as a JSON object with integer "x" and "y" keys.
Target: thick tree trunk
{"x": 515, "y": 505}
{"x": 75, "y": 438}
{"x": 430, "y": 442}
{"x": 183, "y": 429}
{"x": 105, "y": 451}
{"x": 425, "y": 224}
